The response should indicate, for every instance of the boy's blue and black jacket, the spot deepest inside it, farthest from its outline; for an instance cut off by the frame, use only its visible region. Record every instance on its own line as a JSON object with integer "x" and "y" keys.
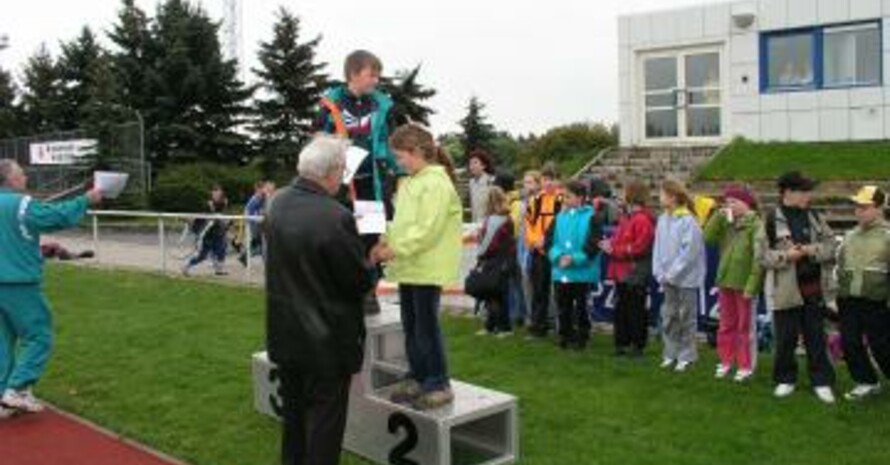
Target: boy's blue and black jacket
{"x": 576, "y": 233}
{"x": 22, "y": 220}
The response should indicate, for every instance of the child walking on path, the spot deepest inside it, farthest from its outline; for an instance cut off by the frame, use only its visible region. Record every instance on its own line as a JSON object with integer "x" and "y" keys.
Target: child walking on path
{"x": 679, "y": 266}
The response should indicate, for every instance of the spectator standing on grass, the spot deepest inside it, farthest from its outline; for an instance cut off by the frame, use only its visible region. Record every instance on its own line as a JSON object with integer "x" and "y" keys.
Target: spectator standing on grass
{"x": 317, "y": 275}
{"x": 863, "y": 271}
{"x": 678, "y": 265}
{"x": 26, "y": 335}
{"x": 482, "y": 178}
{"x": 797, "y": 249}
{"x": 542, "y": 211}
{"x": 630, "y": 268}
{"x": 739, "y": 281}
{"x": 516, "y": 302}
{"x": 497, "y": 245}
{"x": 573, "y": 248}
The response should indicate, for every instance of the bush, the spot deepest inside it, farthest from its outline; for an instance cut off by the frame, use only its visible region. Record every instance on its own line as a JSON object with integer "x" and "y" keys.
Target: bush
{"x": 185, "y": 188}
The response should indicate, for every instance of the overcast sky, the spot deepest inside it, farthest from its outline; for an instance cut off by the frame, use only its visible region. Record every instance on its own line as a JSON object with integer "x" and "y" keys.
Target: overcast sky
{"x": 535, "y": 64}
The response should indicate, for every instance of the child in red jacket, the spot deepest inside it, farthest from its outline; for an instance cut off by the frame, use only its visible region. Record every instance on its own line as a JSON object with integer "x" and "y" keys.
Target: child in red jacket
{"x": 630, "y": 268}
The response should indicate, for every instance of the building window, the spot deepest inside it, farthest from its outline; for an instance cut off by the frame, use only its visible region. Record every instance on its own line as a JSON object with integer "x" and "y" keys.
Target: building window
{"x": 852, "y": 55}
{"x": 821, "y": 57}
{"x": 790, "y": 60}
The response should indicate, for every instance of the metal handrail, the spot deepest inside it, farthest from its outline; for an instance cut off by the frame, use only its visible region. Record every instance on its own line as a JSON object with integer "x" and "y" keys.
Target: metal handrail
{"x": 162, "y": 237}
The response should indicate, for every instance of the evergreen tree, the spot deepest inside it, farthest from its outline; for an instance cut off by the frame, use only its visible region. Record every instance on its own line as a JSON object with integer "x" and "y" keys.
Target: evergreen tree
{"x": 75, "y": 64}
{"x": 132, "y": 59}
{"x": 477, "y": 132}
{"x": 41, "y": 96}
{"x": 408, "y": 97}
{"x": 9, "y": 111}
{"x": 198, "y": 102}
{"x": 104, "y": 114}
{"x": 291, "y": 83}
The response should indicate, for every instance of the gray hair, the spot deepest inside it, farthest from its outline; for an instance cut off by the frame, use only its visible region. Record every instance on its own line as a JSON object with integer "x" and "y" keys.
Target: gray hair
{"x": 322, "y": 156}
{"x": 8, "y": 167}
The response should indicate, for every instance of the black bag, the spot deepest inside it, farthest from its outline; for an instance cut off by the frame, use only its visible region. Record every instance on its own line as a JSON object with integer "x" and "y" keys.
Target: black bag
{"x": 487, "y": 280}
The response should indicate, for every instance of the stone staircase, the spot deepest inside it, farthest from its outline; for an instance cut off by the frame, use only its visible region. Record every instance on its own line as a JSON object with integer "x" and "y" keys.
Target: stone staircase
{"x": 651, "y": 164}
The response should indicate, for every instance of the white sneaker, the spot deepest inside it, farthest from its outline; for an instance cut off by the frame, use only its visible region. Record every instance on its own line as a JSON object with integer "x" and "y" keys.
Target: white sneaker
{"x": 23, "y": 401}
{"x": 682, "y": 366}
{"x": 6, "y": 413}
{"x": 784, "y": 390}
{"x": 861, "y": 391}
{"x": 825, "y": 394}
{"x": 504, "y": 335}
{"x": 483, "y": 332}
{"x": 742, "y": 376}
{"x": 722, "y": 371}
{"x": 666, "y": 363}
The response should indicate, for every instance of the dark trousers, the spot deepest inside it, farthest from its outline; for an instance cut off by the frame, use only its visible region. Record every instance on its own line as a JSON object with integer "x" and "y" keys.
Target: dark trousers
{"x": 314, "y": 411}
{"x": 807, "y": 321}
{"x": 541, "y": 284}
{"x": 497, "y": 319}
{"x": 214, "y": 247}
{"x": 860, "y": 319}
{"x": 631, "y": 317}
{"x": 574, "y": 322}
{"x": 423, "y": 336}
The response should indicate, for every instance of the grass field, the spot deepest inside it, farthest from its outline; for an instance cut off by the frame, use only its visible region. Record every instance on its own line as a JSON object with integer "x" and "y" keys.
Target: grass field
{"x": 751, "y": 161}
{"x": 166, "y": 362}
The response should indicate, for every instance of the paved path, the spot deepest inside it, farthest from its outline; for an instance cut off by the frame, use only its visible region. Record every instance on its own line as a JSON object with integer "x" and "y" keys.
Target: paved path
{"x": 140, "y": 249}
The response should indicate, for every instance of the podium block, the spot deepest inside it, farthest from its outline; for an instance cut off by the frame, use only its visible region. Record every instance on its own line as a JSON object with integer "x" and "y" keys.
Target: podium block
{"x": 479, "y": 428}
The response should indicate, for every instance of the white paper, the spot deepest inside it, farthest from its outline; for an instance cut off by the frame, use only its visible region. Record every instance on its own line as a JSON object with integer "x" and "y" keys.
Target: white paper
{"x": 370, "y": 217}
{"x": 110, "y": 183}
{"x": 354, "y": 158}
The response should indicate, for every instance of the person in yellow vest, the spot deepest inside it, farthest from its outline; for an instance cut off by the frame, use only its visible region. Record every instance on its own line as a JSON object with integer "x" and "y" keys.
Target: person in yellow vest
{"x": 542, "y": 211}
{"x": 703, "y": 207}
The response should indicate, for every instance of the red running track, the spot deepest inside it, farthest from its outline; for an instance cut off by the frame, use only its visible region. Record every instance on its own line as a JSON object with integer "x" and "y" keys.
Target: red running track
{"x": 52, "y": 438}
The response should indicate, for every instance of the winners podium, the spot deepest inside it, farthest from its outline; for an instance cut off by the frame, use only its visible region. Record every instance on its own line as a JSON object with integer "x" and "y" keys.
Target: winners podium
{"x": 479, "y": 428}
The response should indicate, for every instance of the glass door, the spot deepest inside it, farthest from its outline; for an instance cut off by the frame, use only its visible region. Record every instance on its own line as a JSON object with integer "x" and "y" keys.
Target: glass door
{"x": 682, "y": 95}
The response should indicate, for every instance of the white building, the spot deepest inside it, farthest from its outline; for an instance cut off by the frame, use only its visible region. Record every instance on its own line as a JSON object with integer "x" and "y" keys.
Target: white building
{"x": 768, "y": 70}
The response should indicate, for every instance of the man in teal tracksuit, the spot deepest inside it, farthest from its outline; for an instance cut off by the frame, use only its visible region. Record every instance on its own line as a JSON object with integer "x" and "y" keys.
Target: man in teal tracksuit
{"x": 25, "y": 319}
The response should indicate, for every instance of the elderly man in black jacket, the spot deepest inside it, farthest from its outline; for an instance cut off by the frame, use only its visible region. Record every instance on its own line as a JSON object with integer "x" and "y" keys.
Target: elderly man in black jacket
{"x": 316, "y": 277}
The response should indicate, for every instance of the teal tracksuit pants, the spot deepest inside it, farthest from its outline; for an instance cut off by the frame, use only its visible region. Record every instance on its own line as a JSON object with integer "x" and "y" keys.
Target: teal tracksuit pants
{"x": 26, "y": 336}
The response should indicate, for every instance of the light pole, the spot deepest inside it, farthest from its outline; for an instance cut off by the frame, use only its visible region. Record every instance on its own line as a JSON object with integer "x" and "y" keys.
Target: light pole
{"x": 141, "y": 122}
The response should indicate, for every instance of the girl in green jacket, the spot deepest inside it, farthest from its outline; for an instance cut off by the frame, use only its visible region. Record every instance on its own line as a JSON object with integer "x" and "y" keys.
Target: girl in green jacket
{"x": 739, "y": 279}
{"x": 423, "y": 250}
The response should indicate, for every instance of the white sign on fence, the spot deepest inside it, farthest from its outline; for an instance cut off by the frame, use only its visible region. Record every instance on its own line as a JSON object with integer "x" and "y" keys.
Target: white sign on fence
{"x": 66, "y": 152}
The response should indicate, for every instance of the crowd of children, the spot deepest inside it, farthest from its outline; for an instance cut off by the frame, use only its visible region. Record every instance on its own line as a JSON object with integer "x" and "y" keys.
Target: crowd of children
{"x": 566, "y": 238}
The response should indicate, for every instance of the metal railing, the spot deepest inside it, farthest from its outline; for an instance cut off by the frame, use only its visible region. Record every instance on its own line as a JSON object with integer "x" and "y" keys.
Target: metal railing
{"x": 162, "y": 236}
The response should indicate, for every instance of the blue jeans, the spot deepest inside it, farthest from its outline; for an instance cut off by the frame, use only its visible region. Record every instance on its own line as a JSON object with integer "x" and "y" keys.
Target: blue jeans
{"x": 214, "y": 247}
{"x": 516, "y": 299}
{"x": 423, "y": 337}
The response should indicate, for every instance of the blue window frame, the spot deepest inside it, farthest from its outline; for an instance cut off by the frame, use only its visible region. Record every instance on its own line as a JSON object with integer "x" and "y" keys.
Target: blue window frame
{"x": 823, "y": 57}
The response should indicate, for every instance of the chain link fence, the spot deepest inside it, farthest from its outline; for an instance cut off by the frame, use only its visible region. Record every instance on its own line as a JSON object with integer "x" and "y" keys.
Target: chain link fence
{"x": 118, "y": 149}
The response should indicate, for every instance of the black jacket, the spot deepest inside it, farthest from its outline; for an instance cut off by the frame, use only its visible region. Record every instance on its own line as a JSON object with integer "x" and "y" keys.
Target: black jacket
{"x": 316, "y": 278}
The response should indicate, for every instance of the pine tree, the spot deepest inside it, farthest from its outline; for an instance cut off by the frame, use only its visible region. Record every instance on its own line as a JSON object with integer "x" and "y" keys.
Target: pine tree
{"x": 198, "y": 103}
{"x": 132, "y": 59}
{"x": 291, "y": 83}
{"x": 9, "y": 111}
{"x": 41, "y": 97}
{"x": 78, "y": 58}
{"x": 477, "y": 132}
{"x": 104, "y": 114}
{"x": 408, "y": 96}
